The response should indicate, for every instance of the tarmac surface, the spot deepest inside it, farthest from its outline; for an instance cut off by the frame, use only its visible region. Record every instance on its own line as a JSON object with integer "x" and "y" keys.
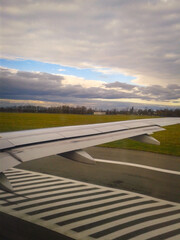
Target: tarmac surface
{"x": 163, "y": 185}
{"x": 136, "y": 196}
{"x": 45, "y": 207}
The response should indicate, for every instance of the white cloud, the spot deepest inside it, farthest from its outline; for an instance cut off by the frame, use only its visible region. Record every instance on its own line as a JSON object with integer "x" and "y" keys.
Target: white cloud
{"x": 107, "y": 71}
{"x": 61, "y": 70}
{"x": 73, "y": 80}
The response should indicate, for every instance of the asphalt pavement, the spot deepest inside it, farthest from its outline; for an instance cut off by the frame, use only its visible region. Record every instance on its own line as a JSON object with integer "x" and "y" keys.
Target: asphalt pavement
{"x": 159, "y": 184}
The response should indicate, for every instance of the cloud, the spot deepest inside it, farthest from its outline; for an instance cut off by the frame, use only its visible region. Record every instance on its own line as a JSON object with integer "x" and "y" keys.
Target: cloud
{"x": 139, "y": 37}
{"x": 61, "y": 70}
{"x": 28, "y": 83}
{"x": 104, "y": 105}
{"x": 124, "y": 86}
{"x": 37, "y": 86}
{"x": 153, "y": 92}
{"x": 45, "y": 86}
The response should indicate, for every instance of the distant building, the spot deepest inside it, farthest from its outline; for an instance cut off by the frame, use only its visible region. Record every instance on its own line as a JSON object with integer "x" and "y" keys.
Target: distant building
{"x": 99, "y": 113}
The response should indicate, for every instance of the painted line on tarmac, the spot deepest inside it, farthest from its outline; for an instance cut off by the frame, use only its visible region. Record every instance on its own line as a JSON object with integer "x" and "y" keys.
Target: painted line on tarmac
{"x": 139, "y": 166}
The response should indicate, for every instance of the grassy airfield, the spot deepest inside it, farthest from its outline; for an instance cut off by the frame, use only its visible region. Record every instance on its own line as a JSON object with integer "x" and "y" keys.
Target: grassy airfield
{"x": 170, "y": 139}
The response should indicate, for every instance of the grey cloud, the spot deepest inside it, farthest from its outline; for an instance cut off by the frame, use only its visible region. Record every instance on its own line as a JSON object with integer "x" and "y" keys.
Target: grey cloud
{"x": 173, "y": 87}
{"x": 28, "y": 83}
{"x": 156, "y": 92}
{"x": 101, "y": 93}
{"x": 121, "y": 85}
{"x": 161, "y": 93}
{"x": 50, "y": 87}
{"x": 140, "y": 36}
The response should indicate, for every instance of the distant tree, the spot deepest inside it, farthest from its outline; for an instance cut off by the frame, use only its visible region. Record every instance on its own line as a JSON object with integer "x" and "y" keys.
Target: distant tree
{"x": 131, "y": 111}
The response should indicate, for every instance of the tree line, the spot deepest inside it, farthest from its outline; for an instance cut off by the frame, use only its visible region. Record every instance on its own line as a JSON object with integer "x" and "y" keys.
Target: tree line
{"x": 148, "y": 111}
{"x": 84, "y": 110}
{"x": 40, "y": 109}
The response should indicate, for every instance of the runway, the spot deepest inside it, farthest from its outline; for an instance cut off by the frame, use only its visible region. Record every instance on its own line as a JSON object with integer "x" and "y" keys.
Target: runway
{"x": 125, "y": 195}
{"x": 49, "y": 207}
{"x": 152, "y": 174}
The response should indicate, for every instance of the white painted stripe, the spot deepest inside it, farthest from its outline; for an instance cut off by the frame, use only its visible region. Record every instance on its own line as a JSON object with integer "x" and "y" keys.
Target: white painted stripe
{"x": 32, "y": 173}
{"x": 65, "y": 209}
{"x": 13, "y": 170}
{"x": 53, "y": 192}
{"x": 32, "y": 182}
{"x": 44, "y": 194}
{"x": 177, "y": 237}
{"x": 116, "y": 223}
{"x": 6, "y": 194}
{"x": 37, "y": 185}
{"x": 139, "y": 166}
{"x": 12, "y": 200}
{"x": 68, "y": 201}
{"x": 126, "y": 219}
{"x": 64, "y": 195}
{"x": 137, "y": 227}
{"x": 14, "y": 174}
{"x": 46, "y": 188}
{"x": 21, "y": 177}
{"x": 112, "y": 206}
{"x": 159, "y": 232}
{"x": 28, "y": 178}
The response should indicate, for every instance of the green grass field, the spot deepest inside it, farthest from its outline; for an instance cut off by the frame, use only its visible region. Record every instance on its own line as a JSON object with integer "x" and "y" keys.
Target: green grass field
{"x": 170, "y": 139}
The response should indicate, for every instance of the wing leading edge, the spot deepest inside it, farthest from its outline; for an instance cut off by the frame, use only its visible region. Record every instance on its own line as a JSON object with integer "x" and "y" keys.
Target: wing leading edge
{"x": 21, "y": 146}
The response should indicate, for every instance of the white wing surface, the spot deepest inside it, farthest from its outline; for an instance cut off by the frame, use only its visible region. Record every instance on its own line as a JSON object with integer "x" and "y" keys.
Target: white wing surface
{"x": 21, "y": 146}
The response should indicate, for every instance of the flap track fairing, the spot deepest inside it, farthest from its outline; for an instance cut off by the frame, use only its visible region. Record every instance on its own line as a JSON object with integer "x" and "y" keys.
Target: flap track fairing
{"x": 79, "y": 156}
{"x": 145, "y": 138}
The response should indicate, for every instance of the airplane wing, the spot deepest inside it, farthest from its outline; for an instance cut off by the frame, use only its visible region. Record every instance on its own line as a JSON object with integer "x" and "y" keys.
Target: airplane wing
{"x": 17, "y": 147}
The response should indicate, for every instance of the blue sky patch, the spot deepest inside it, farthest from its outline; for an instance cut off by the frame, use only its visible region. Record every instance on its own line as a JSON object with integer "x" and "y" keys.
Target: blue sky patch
{"x": 87, "y": 73}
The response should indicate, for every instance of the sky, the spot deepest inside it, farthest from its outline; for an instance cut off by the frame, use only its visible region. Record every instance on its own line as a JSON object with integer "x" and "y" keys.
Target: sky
{"x": 98, "y": 53}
